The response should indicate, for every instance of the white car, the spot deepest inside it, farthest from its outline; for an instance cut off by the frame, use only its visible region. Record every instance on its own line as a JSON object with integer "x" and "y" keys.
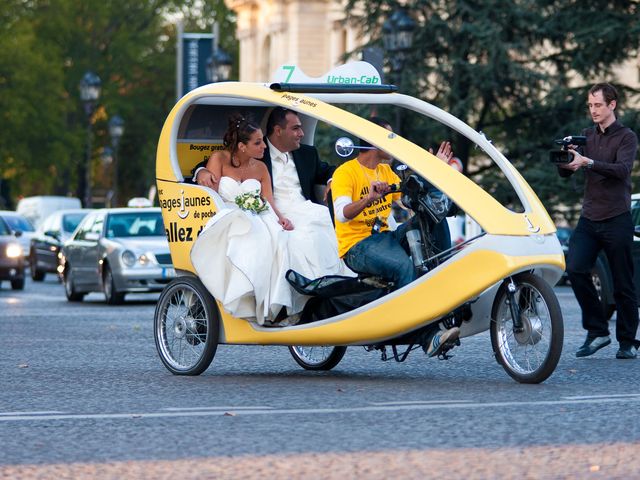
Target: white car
{"x": 117, "y": 251}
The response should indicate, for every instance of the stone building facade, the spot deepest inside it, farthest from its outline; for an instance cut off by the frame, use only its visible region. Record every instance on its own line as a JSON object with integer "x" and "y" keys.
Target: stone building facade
{"x": 308, "y": 33}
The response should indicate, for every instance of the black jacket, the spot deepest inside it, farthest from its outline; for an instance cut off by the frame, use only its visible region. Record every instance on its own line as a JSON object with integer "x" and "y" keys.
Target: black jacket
{"x": 311, "y": 170}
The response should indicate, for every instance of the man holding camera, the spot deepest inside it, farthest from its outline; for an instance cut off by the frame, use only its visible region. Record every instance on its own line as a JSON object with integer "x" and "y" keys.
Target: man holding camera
{"x": 605, "y": 224}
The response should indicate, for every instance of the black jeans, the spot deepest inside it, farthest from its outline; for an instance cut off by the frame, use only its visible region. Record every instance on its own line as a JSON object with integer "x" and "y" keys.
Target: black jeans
{"x": 615, "y": 237}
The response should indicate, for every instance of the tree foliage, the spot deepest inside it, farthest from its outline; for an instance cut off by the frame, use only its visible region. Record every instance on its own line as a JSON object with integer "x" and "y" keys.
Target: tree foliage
{"x": 517, "y": 70}
{"x": 46, "y": 46}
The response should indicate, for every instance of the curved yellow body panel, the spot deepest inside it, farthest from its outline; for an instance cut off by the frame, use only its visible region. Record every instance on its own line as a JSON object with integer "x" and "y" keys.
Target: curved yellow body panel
{"x": 401, "y": 312}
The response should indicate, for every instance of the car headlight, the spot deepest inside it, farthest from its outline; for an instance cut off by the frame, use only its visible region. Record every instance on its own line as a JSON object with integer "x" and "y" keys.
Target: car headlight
{"x": 14, "y": 250}
{"x": 129, "y": 258}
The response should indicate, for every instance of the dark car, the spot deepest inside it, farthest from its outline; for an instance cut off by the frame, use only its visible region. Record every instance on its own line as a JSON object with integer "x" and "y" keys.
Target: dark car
{"x": 117, "y": 251}
{"x": 11, "y": 258}
{"x": 601, "y": 272}
{"x": 48, "y": 240}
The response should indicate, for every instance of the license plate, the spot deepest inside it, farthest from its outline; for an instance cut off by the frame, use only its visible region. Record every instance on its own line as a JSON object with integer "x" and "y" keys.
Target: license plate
{"x": 168, "y": 272}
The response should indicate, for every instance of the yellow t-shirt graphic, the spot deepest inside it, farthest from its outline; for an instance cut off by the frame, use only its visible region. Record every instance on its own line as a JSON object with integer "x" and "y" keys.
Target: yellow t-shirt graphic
{"x": 353, "y": 180}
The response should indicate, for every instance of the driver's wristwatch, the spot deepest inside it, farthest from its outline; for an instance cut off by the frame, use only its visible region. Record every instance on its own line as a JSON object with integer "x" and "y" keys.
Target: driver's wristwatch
{"x": 589, "y": 164}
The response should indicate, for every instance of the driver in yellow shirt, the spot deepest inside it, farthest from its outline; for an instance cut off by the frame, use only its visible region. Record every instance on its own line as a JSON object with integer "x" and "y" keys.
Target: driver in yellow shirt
{"x": 362, "y": 206}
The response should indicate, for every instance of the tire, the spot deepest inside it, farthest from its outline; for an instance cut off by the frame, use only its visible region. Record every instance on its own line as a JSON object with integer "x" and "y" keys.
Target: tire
{"x": 530, "y": 356}
{"x": 36, "y": 275}
{"x": 69, "y": 288}
{"x": 186, "y": 326}
{"x": 317, "y": 358}
{"x": 17, "y": 284}
{"x": 111, "y": 295}
{"x": 601, "y": 283}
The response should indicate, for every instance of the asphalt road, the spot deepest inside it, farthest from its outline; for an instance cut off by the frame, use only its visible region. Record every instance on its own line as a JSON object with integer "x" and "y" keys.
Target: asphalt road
{"x": 83, "y": 394}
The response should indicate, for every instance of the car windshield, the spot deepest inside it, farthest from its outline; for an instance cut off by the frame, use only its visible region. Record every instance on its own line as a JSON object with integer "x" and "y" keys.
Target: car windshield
{"x": 70, "y": 221}
{"x": 18, "y": 223}
{"x": 135, "y": 224}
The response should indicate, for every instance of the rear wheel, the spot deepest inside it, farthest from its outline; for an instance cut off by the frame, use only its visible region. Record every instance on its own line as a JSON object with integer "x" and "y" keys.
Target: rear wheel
{"x": 69, "y": 288}
{"x": 186, "y": 326}
{"x": 36, "y": 275}
{"x": 601, "y": 283}
{"x": 317, "y": 358}
{"x": 532, "y": 355}
{"x": 111, "y": 295}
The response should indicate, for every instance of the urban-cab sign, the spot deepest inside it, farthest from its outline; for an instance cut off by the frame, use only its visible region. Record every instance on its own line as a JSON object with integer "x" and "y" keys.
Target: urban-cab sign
{"x": 356, "y": 73}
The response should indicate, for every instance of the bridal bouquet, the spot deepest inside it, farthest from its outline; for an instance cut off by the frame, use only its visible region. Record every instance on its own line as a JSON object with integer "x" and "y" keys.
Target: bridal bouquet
{"x": 252, "y": 202}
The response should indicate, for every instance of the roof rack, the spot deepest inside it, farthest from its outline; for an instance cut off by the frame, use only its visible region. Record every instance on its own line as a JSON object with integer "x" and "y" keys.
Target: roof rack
{"x": 331, "y": 88}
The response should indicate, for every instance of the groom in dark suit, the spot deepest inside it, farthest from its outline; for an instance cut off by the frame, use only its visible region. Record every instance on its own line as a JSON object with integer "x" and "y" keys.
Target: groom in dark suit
{"x": 294, "y": 168}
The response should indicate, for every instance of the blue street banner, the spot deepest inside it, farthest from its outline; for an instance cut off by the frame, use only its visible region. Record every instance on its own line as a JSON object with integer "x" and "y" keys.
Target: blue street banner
{"x": 194, "y": 50}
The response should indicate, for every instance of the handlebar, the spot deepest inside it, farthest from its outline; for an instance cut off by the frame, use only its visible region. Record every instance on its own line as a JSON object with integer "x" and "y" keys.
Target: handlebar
{"x": 393, "y": 188}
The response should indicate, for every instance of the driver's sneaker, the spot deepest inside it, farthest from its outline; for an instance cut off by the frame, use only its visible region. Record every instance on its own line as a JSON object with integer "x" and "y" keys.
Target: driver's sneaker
{"x": 627, "y": 353}
{"x": 441, "y": 339}
{"x": 592, "y": 345}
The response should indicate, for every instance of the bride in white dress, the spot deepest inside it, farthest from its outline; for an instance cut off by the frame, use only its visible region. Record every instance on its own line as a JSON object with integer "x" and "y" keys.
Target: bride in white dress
{"x": 244, "y": 251}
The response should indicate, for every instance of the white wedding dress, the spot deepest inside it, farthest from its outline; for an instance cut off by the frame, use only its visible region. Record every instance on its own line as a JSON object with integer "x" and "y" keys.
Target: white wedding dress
{"x": 242, "y": 257}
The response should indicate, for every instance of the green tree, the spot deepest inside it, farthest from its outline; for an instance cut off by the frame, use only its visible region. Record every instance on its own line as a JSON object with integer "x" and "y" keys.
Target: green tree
{"x": 46, "y": 46}
{"x": 516, "y": 70}
{"x": 31, "y": 84}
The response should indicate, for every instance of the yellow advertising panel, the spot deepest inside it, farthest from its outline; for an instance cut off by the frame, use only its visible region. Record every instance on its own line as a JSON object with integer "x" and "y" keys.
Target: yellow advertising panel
{"x": 186, "y": 209}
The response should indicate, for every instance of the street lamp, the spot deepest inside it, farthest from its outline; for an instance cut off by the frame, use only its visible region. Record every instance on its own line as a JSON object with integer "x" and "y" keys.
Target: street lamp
{"x": 219, "y": 66}
{"x": 397, "y": 36}
{"x": 89, "y": 87}
{"x": 116, "y": 130}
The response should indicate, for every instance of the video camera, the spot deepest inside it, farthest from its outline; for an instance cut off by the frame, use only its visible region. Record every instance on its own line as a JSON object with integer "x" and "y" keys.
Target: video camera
{"x": 562, "y": 155}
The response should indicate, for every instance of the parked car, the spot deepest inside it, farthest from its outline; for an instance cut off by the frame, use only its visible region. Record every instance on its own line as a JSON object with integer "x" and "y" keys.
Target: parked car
{"x": 601, "y": 272}
{"x": 48, "y": 240}
{"x": 117, "y": 251}
{"x": 36, "y": 209}
{"x": 21, "y": 227}
{"x": 11, "y": 258}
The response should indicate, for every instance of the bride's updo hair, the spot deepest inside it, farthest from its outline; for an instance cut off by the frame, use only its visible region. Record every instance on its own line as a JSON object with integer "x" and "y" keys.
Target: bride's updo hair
{"x": 240, "y": 129}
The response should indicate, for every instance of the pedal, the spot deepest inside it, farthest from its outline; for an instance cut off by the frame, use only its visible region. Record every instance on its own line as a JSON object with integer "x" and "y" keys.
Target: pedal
{"x": 444, "y": 354}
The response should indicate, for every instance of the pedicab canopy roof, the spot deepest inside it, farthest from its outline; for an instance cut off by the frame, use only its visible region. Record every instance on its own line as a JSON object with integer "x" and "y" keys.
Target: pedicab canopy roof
{"x": 317, "y": 99}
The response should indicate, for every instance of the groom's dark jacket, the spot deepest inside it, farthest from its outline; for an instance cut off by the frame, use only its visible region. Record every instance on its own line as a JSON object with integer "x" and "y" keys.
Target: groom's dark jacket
{"x": 311, "y": 170}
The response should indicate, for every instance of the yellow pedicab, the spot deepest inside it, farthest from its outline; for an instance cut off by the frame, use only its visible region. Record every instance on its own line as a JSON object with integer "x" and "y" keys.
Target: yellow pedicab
{"x": 499, "y": 280}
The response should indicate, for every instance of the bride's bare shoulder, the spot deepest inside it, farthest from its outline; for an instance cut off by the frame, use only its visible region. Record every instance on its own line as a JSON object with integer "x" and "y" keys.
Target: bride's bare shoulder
{"x": 218, "y": 159}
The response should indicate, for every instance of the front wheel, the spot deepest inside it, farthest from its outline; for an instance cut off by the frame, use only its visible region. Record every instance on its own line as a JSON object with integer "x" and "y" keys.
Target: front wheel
{"x": 532, "y": 355}
{"x": 17, "y": 284}
{"x": 186, "y": 326}
{"x": 111, "y": 295}
{"x": 317, "y": 358}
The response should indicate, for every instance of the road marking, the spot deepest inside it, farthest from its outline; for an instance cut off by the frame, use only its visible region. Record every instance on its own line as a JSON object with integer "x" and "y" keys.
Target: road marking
{"x": 48, "y": 412}
{"x": 187, "y": 409}
{"x": 621, "y": 395}
{"x": 420, "y": 402}
{"x": 11, "y": 417}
